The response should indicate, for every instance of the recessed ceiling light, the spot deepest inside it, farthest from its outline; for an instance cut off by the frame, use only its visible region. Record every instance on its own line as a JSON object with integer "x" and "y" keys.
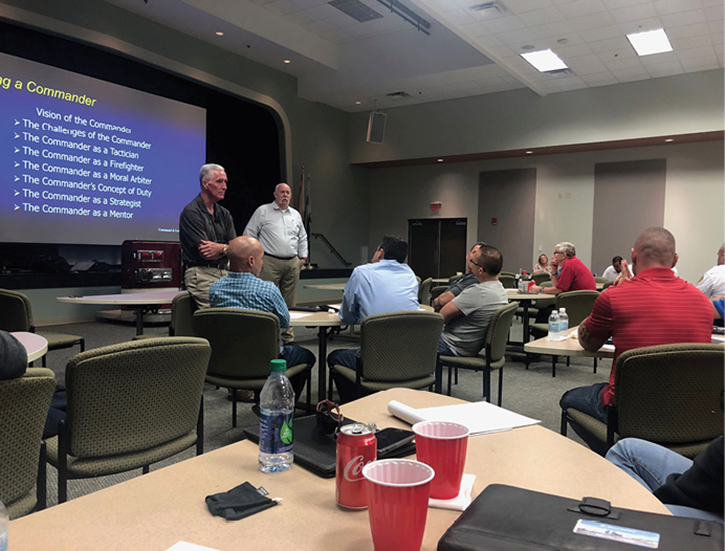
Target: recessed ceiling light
{"x": 219, "y": 33}
{"x": 650, "y": 42}
{"x": 440, "y": 160}
{"x": 287, "y": 61}
{"x": 544, "y": 60}
{"x": 358, "y": 103}
{"x": 529, "y": 152}
{"x": 668, "y": 140}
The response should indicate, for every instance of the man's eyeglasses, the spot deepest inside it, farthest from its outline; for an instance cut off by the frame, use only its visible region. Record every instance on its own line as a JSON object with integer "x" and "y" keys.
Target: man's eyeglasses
{"x": 477, "y": 264}
{"x": 558, "y": 252}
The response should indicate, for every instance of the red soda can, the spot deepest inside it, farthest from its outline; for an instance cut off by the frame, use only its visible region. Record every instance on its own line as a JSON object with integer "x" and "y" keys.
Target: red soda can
{"x": 356, "y": 447}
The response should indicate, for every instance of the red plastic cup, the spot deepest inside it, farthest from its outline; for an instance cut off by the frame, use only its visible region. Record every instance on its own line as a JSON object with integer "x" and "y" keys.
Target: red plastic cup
{"x": 442, "y": 445}
{"x": 531, "y": 284}
{"x": 398, "y": 491}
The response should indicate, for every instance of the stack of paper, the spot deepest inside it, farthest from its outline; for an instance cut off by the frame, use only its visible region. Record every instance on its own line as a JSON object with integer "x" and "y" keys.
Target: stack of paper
{"x": 479, "y": 417}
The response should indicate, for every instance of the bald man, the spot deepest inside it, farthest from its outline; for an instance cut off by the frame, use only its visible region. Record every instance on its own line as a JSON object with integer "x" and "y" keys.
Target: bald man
{"x": 280, "y": 230}
{"x": 713, "y": 282}
{"x": 242, "y": 288}
{"x": 652, "y": 307}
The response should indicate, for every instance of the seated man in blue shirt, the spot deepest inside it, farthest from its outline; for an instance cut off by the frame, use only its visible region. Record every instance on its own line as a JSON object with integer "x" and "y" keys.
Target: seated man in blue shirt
{"x": 243, "y": 288}
{"x": 385, "y": 285}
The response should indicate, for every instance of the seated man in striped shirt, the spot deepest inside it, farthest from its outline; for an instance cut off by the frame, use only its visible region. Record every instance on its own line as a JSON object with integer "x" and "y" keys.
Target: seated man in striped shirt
{"x": 652, "y": 308}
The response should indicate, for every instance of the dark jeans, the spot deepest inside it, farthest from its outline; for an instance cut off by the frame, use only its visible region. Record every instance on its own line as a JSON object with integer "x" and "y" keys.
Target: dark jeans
{"x": 588, "y": 400}
{"x": 56, "y": 413}
{"x": 296, "y": 355}
{"x": 444, "y": 349}
{"x": 348, "y": 358}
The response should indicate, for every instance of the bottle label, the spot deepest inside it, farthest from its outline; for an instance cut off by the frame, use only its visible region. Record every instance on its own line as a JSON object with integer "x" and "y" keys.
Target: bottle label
{"x": 276, "y": 431}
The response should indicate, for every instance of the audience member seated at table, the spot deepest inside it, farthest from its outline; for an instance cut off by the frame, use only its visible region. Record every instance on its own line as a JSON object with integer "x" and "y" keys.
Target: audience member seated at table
{"x": 718, "y": 307}
{"x": 242, "y": 288}
{"x": 542, "y": 265}
{"x": 13, "y": 363}
{"x": 614, "y": 270}
{"x": 568, "y": 273}
{"x": 713, "y": 282}
{"x": 687, "y": 488}
{"x": 652, "y": 307}
{"x": 467, "y": 316}
{"x": 466, "y": 280}
{"x": 384, "y": 285}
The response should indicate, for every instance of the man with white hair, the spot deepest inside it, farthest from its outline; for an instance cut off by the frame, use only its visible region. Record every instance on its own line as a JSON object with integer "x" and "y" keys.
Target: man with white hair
{"x": 280, "y": 230}
{"x": 568, "y": 273}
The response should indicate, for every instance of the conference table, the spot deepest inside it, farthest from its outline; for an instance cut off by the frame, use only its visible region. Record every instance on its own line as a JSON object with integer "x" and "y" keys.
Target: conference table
{"x": 139, "y": 301}
{"x": 35, "y": 345}
{"x": 159, "y": 509}
{"x": 526, "y": 300}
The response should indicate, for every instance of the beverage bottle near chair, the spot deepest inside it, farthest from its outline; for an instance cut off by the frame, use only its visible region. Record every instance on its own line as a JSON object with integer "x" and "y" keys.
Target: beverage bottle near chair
{"x": 553, "y": 326}
{"x": 563, "y": 323}
{"x": 277, "y": 406}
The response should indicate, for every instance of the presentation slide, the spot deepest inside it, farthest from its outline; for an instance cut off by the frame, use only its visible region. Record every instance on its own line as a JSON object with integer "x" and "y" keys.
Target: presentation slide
{"x": 89, "y": 162}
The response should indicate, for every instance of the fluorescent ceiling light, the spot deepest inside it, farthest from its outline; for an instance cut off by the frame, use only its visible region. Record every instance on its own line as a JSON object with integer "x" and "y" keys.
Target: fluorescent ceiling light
{"x": 544, "y": 60}
{"x": 650, "y": 42}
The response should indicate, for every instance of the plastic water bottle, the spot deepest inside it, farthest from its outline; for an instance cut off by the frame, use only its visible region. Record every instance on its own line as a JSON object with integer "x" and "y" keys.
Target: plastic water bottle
{"x": 277, "y": 406}
{"x": 563, "y": 323}
{"x": 553, "y": 326}
{"x": 4, "y": 518}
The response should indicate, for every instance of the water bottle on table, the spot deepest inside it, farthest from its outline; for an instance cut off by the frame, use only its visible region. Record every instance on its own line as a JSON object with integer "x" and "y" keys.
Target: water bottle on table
{"x": 553, "y": 326}
{"x": 563, "y": 323}
{"x": 277, "y": 406}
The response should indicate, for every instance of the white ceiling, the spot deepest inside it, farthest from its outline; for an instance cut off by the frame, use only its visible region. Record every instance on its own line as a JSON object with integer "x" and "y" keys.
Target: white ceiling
{"x": 339, "y": 61}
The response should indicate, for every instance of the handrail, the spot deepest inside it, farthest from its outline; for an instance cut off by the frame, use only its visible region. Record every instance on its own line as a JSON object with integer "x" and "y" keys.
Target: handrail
{"x": 333, "y": 250}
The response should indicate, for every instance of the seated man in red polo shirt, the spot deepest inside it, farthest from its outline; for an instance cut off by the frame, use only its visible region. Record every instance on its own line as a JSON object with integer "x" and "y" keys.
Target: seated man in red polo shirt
{"x": 654, "y": 307}
{"x": 568, "y": 273}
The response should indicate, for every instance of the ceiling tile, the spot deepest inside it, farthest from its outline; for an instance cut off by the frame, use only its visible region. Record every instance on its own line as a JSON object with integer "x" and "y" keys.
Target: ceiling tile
{"x": 640, "y": 25}
{"x": 692, "y": 53}
{"x": 558, "y": 29}
{"x": 603, "y": 33}
{"x": 715, "y": 12}
{"x": 623, "y": 64}
{"x": 580, "y": 8}
{"x": 586, "y": 65}
{"x": 599, "y": 79}
{"x": 461, "y": 17}
{"x": 541, "y": 17}
{"x": 592, "y": 21}
{"x": 488, "y": 40}
{"x": 615, "y": 4}
{"x": 630, "y": 74}
{"x": 700, "y": 64}
{"x": 632, "y": 13}
{"x": 687, "y": 31}
{"x": 617, "y": 55}
{"x": 573, "y": 51}
{"x": 664, "y": 57}
{"x": 684, "y": 18}
{"x": 610, "y": 44}
{"x": 517, "y": 36}
{"x": 522, "y": 6}
{"x": 666, "y": 66}
{"x": 691, "y": 42}
{"x": 665, "y": 7}
{"x": 502, "y": 24}
{"x": 712, "y": 3}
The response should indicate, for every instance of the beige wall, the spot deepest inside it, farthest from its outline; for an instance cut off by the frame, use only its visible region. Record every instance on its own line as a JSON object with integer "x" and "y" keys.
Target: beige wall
{"x": 694, "y": 198}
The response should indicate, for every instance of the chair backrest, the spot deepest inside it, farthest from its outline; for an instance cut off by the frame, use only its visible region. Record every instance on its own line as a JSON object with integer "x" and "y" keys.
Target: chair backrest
{"x": 507, "y": 280}
{"x": 607, "y": 284}
{"x": 17, "y": 314}
{"x": 417, "y": 278}
{"x": 600, "y": 279}
{"x": 24, "y": 404}
{"x": 243, "y": 342}
{"x": 547, "y": 283}
{"x": 133, "y": 396}
{"x": 578, "y": 304}
{"x": 670, "y": 394}
{"x": 453, "y": 279}
{"x": 182, "y": 316}
{"x": 424, "y": 291}
{"x": 437, "y": 291}
{"x": 498, "y": 330}
{"x": 541, "y": 277}
{"x": 400, "y": 346}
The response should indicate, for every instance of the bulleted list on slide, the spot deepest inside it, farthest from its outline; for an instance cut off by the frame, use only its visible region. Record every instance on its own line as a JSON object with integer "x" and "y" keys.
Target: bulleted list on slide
{"x": 68, "y": 164}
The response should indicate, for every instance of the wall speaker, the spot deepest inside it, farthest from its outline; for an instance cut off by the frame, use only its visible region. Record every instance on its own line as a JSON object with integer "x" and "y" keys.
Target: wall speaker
{"x": 376, "y": 127}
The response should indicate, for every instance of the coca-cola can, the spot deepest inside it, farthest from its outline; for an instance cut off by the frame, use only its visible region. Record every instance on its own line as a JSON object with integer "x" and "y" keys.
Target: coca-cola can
{"x": 356, "y": 447}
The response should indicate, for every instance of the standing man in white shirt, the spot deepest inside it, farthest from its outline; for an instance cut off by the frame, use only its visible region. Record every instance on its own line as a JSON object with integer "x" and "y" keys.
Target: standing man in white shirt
{"x": 280, "y": 230}
{"x": 713, "y": 282}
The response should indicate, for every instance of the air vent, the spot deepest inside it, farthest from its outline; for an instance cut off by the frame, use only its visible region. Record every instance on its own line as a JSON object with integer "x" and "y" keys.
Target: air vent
{"x": 356, "y": 9}
{"x": 560, "y": 72}
{"x": 398, "y": 95}
{"x": 489, "y": 8}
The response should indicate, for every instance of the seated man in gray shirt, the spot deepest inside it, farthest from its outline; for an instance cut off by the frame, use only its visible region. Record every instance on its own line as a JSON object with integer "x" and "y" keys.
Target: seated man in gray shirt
{"x": 466, "y": 280}
{"x": 467, "y": 316}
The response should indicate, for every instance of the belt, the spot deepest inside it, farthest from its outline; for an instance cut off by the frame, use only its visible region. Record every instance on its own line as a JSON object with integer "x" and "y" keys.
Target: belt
{"x": 280, "y": 257}
{"x": 206, "y": 265}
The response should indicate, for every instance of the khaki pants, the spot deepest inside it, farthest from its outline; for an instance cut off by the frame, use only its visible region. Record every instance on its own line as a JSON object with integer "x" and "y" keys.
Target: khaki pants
{"x": 198, "y": 280}
{"x": 284, "y": 274}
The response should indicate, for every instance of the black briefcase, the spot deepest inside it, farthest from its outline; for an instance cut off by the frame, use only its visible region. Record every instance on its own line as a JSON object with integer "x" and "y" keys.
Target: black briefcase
{"x": 506, "y": 518}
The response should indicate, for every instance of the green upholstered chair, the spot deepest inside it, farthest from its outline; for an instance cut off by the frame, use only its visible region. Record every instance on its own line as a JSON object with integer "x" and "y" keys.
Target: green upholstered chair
{"x": 437, "y": 291}
{"x": 243, "y": 343}
{"x": 492, "y": 356}
{"x": 130, "y": 405}
{"x": 667, "y": 394}
{"x": 24, "y": 404}
{"x": 507, "y": 280}
{"x": 182, "y": 318}
{"x": 578, "y": 306}
{"x": 397, "y": 349}
{"x": 541, "y": 277}
{"x": 424, "y": 291}
{"x": 607, "y": 285}
{"x": 454, "y": 278}
{"x": 600, "y": 279}
{"x": 17, "y": 315}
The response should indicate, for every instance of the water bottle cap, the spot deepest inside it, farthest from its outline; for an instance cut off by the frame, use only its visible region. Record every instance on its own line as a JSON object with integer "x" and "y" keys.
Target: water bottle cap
{"x": 562, "y": 310}
{"x": 278, "y": 366}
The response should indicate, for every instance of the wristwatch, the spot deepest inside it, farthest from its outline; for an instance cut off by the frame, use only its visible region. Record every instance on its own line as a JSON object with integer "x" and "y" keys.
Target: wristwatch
{"x": 224, "y": 250}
